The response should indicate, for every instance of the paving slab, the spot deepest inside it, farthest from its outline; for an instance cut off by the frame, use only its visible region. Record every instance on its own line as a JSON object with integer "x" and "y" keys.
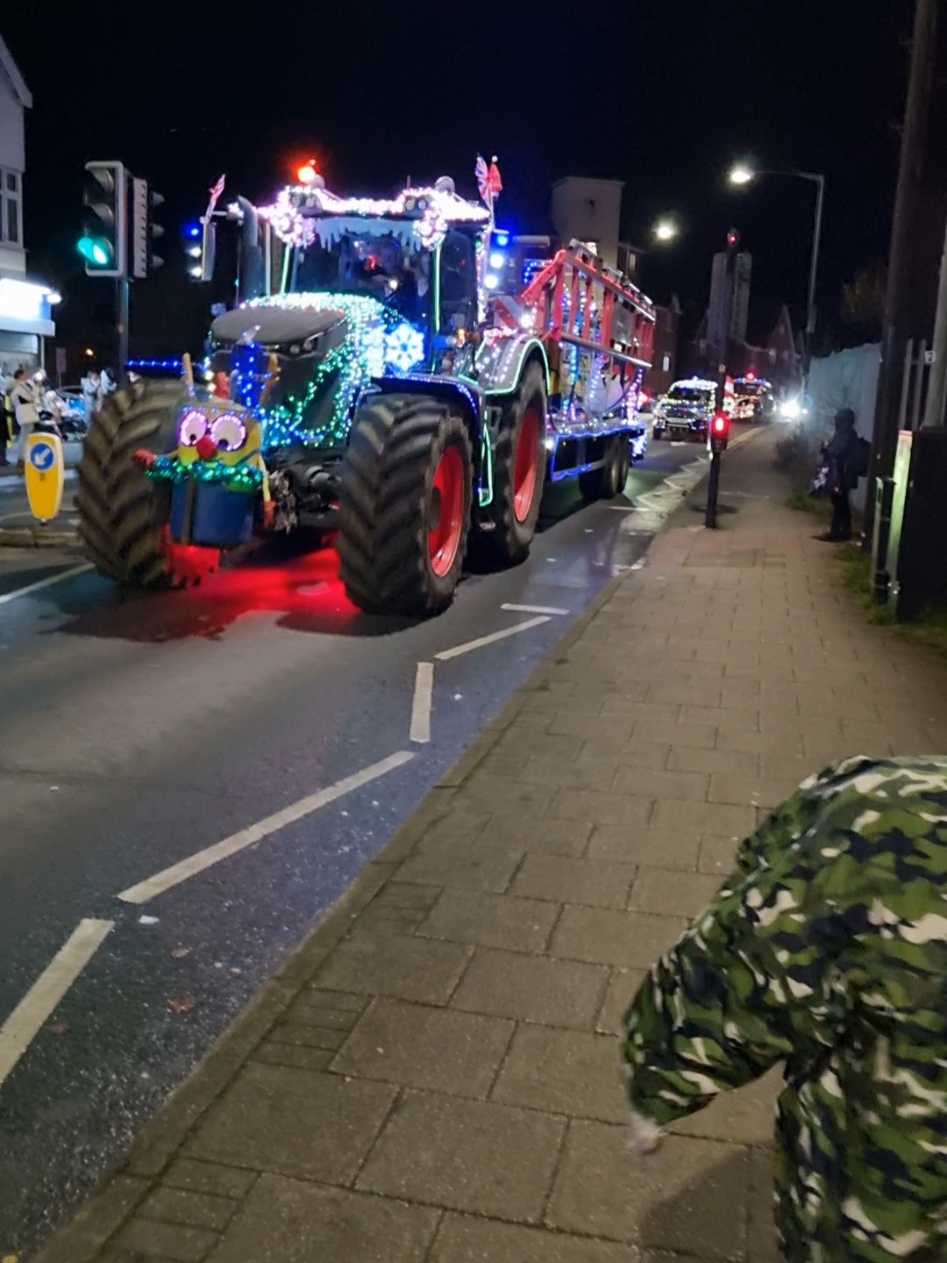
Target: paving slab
{"x": 692, "y": 1195}
{"x": 443, "y": 1050}
{"x": 295, "y": 1122}
{"x": 474, "y": 1156}
{"x": 287, "y": 1221}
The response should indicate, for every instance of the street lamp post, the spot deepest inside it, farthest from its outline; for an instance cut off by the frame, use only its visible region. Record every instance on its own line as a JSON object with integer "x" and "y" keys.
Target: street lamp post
{"x": 742, "y": 175}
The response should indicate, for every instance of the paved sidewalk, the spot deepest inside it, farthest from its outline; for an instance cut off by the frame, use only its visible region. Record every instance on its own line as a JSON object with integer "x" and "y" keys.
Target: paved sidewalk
{"x": 434, "y": 1077}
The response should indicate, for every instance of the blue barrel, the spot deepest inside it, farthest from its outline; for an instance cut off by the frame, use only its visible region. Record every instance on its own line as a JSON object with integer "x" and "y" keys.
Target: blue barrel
{"x": 222, "y": 518}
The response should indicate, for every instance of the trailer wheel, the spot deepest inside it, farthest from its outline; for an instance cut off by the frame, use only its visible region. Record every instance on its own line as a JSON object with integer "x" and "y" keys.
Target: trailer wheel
{"x": 404, "y": 506}
{"x": 624, "y": 466}
{"x": 603, "y": 483}
{"x": 519, "y": 463}
{"x": 121, "y": 512}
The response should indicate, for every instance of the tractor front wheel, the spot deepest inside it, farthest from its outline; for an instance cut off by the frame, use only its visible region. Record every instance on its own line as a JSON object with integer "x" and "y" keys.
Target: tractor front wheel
{"x": 121, "y": 512}
{"x": 404, "y": 506}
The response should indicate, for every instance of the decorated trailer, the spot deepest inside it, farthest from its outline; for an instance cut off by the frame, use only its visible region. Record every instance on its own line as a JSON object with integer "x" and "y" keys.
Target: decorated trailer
{"x": 368, "y": 383}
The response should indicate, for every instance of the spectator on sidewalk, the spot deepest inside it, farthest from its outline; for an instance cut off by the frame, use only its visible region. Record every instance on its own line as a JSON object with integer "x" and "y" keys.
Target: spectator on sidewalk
{"x": 841, "y": 453}
{"x": 6, "y": 419}
{"x": 24, "y": 409}
{"x": 826, "y": 950}
{"x": 90, "y": 385}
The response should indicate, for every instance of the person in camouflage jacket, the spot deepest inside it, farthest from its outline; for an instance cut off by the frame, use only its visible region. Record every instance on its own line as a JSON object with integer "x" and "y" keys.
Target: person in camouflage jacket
{"x": 826, "y": 950}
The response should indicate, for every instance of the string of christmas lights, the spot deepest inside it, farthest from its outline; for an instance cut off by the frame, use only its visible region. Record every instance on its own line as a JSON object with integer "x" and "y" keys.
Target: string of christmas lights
{"x": 355, "y": 362}
{"x": 243, "y": 479}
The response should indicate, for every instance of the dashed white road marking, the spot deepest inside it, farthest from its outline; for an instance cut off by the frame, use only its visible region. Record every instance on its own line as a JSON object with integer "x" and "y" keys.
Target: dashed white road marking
{"x": 446, "y": 654}
{"x": 534, "y": 609}
{"x": 26, "y": 1020}
{"x": 201, "y": 860}
{"x": 44, "y": 583}
{"x": 421, "y": 703}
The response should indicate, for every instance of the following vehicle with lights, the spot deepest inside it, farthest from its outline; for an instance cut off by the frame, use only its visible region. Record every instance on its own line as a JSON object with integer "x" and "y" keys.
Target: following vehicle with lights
{"x": 373, "y": 381}
{"x": 753, "y": 399}
{"x": 686, "y": 410}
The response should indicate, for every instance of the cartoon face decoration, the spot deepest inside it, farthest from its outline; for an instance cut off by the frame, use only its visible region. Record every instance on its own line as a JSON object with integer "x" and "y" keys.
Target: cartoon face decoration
{"x": 223, "y": 432}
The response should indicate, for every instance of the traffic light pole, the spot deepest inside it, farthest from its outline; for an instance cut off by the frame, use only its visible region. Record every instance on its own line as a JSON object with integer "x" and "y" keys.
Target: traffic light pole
{"x": 121, "y": 321}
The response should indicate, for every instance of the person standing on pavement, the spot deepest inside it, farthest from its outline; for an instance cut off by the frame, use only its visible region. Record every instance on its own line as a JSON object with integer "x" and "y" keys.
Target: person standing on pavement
{"x": 90, "y": 394}
{"x": 841, "y": 454}
{"x": 6, "y": 420}
{"x": 24, "y": 409}
{"x": 826, "y": 950}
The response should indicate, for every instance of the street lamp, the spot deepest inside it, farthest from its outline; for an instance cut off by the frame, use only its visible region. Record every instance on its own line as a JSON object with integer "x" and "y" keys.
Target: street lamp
{"x": 665, "y": 230}
{"x": 741, "y": 175}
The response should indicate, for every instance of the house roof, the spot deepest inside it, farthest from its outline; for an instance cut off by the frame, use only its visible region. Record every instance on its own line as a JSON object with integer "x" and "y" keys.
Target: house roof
{"x": 17, "y": 82}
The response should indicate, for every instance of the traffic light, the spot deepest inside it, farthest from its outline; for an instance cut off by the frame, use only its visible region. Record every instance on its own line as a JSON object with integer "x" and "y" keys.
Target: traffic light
{"x": 719, "y": 433}
{"x": 200, "y": 248}
{"x": 103, "y": 241}
{"x": 144, "y": 229}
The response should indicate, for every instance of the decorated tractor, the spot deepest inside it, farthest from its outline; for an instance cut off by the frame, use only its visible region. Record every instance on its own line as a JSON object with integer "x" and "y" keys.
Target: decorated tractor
{"x": 369, "y": 385}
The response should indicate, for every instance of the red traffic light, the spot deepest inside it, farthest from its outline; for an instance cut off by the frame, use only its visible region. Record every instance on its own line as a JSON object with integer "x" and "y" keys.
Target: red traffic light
{"x": 720, "y": 423}
{"x": 733, "y": 238}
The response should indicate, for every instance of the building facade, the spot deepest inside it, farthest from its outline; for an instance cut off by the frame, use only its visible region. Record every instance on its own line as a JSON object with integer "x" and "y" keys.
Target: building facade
{"x": 588, "y": 211}
{"x": 664, "y": 361}
{"x": 25, "y": 304}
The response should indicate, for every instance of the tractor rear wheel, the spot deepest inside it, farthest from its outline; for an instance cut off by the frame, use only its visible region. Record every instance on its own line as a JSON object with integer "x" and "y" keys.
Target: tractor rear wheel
{"x": 121, "y": 512}
{"x": 404, "y": 506}
{"x": 519, "y": 463}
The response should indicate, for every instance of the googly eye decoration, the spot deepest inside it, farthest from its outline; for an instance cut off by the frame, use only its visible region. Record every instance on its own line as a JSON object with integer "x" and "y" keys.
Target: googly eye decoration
{"x": 192, "y": 429}
{"x": 229, "y": 432}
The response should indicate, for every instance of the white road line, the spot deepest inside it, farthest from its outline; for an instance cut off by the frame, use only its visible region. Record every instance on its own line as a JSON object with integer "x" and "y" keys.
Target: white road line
{"x": 26, "y": 1020}
{"x": 446, "y": 654}
{"x": 44, "y": 583}
{"x": 533, "y": 609}
{"x": 211, "y": 855}
{"x": 421, "y": 703}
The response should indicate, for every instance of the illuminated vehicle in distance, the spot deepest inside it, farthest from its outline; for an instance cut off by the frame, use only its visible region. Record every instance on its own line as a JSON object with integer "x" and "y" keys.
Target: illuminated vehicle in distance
{"x": 753, "y": 399}
{"x": 686, "y": 410}
{"x": 371, "y": 381}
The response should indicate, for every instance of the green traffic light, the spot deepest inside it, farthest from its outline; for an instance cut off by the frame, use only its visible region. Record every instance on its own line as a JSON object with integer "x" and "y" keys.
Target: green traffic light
{"x": 97, "y": 251}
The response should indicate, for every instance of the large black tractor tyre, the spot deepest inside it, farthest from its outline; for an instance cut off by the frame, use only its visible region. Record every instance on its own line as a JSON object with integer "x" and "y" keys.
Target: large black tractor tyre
{"x": 121, "y": 512}
{"x": 404, "y": 506}
{"x": 519, "y": 472}
{"x": 605, "y": 482}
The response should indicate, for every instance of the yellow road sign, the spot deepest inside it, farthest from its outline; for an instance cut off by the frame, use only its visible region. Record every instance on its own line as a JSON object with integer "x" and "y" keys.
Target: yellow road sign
{"x": 45, "y": 469}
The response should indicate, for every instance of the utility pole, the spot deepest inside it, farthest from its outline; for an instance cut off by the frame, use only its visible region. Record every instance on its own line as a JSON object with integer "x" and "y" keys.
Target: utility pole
{"x": 937, "y": 382}
{"x": 894, "y": 333}
{"x": 718, "y": 439}
{"x": 813, "y": 279}
{"x": 121, "y": 322}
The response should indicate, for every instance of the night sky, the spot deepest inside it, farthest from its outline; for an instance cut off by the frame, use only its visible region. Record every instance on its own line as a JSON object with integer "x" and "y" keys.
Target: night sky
{"x": 663, "y": 95}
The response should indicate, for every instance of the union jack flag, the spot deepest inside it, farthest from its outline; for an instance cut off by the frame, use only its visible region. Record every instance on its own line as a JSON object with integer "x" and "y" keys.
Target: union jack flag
{"x": 215, "y": 194}
{"x": 488, "y": 180}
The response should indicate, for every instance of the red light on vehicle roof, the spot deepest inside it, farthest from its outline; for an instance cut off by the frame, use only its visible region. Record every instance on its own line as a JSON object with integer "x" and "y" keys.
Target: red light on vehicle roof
{"x": 720, "y": 424}
{"x": 751, "y": 376}
{"x": 306, "y": 173}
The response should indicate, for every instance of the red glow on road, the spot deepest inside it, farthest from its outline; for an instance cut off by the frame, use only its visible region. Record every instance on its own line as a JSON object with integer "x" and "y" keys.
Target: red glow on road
{"x": 304, "y": 592}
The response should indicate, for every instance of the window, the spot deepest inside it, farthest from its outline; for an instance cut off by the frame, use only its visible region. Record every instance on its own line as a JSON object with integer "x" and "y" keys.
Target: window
{"x": 11, "y": 208}
{"x": 667, "y": 364}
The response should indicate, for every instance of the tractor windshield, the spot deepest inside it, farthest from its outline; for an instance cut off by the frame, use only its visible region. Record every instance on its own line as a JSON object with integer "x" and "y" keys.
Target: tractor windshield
{"x": 383, "y": 263}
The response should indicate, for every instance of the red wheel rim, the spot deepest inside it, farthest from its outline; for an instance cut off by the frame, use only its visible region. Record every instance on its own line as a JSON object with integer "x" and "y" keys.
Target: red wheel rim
{"x": 526, "y": 465}
{"x": 447, "y": 512}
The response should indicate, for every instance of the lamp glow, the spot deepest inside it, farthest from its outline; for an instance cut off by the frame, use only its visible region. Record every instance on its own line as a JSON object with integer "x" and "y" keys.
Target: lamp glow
{"x": 741, "y": 174}
{"x": 665, "y": 230}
